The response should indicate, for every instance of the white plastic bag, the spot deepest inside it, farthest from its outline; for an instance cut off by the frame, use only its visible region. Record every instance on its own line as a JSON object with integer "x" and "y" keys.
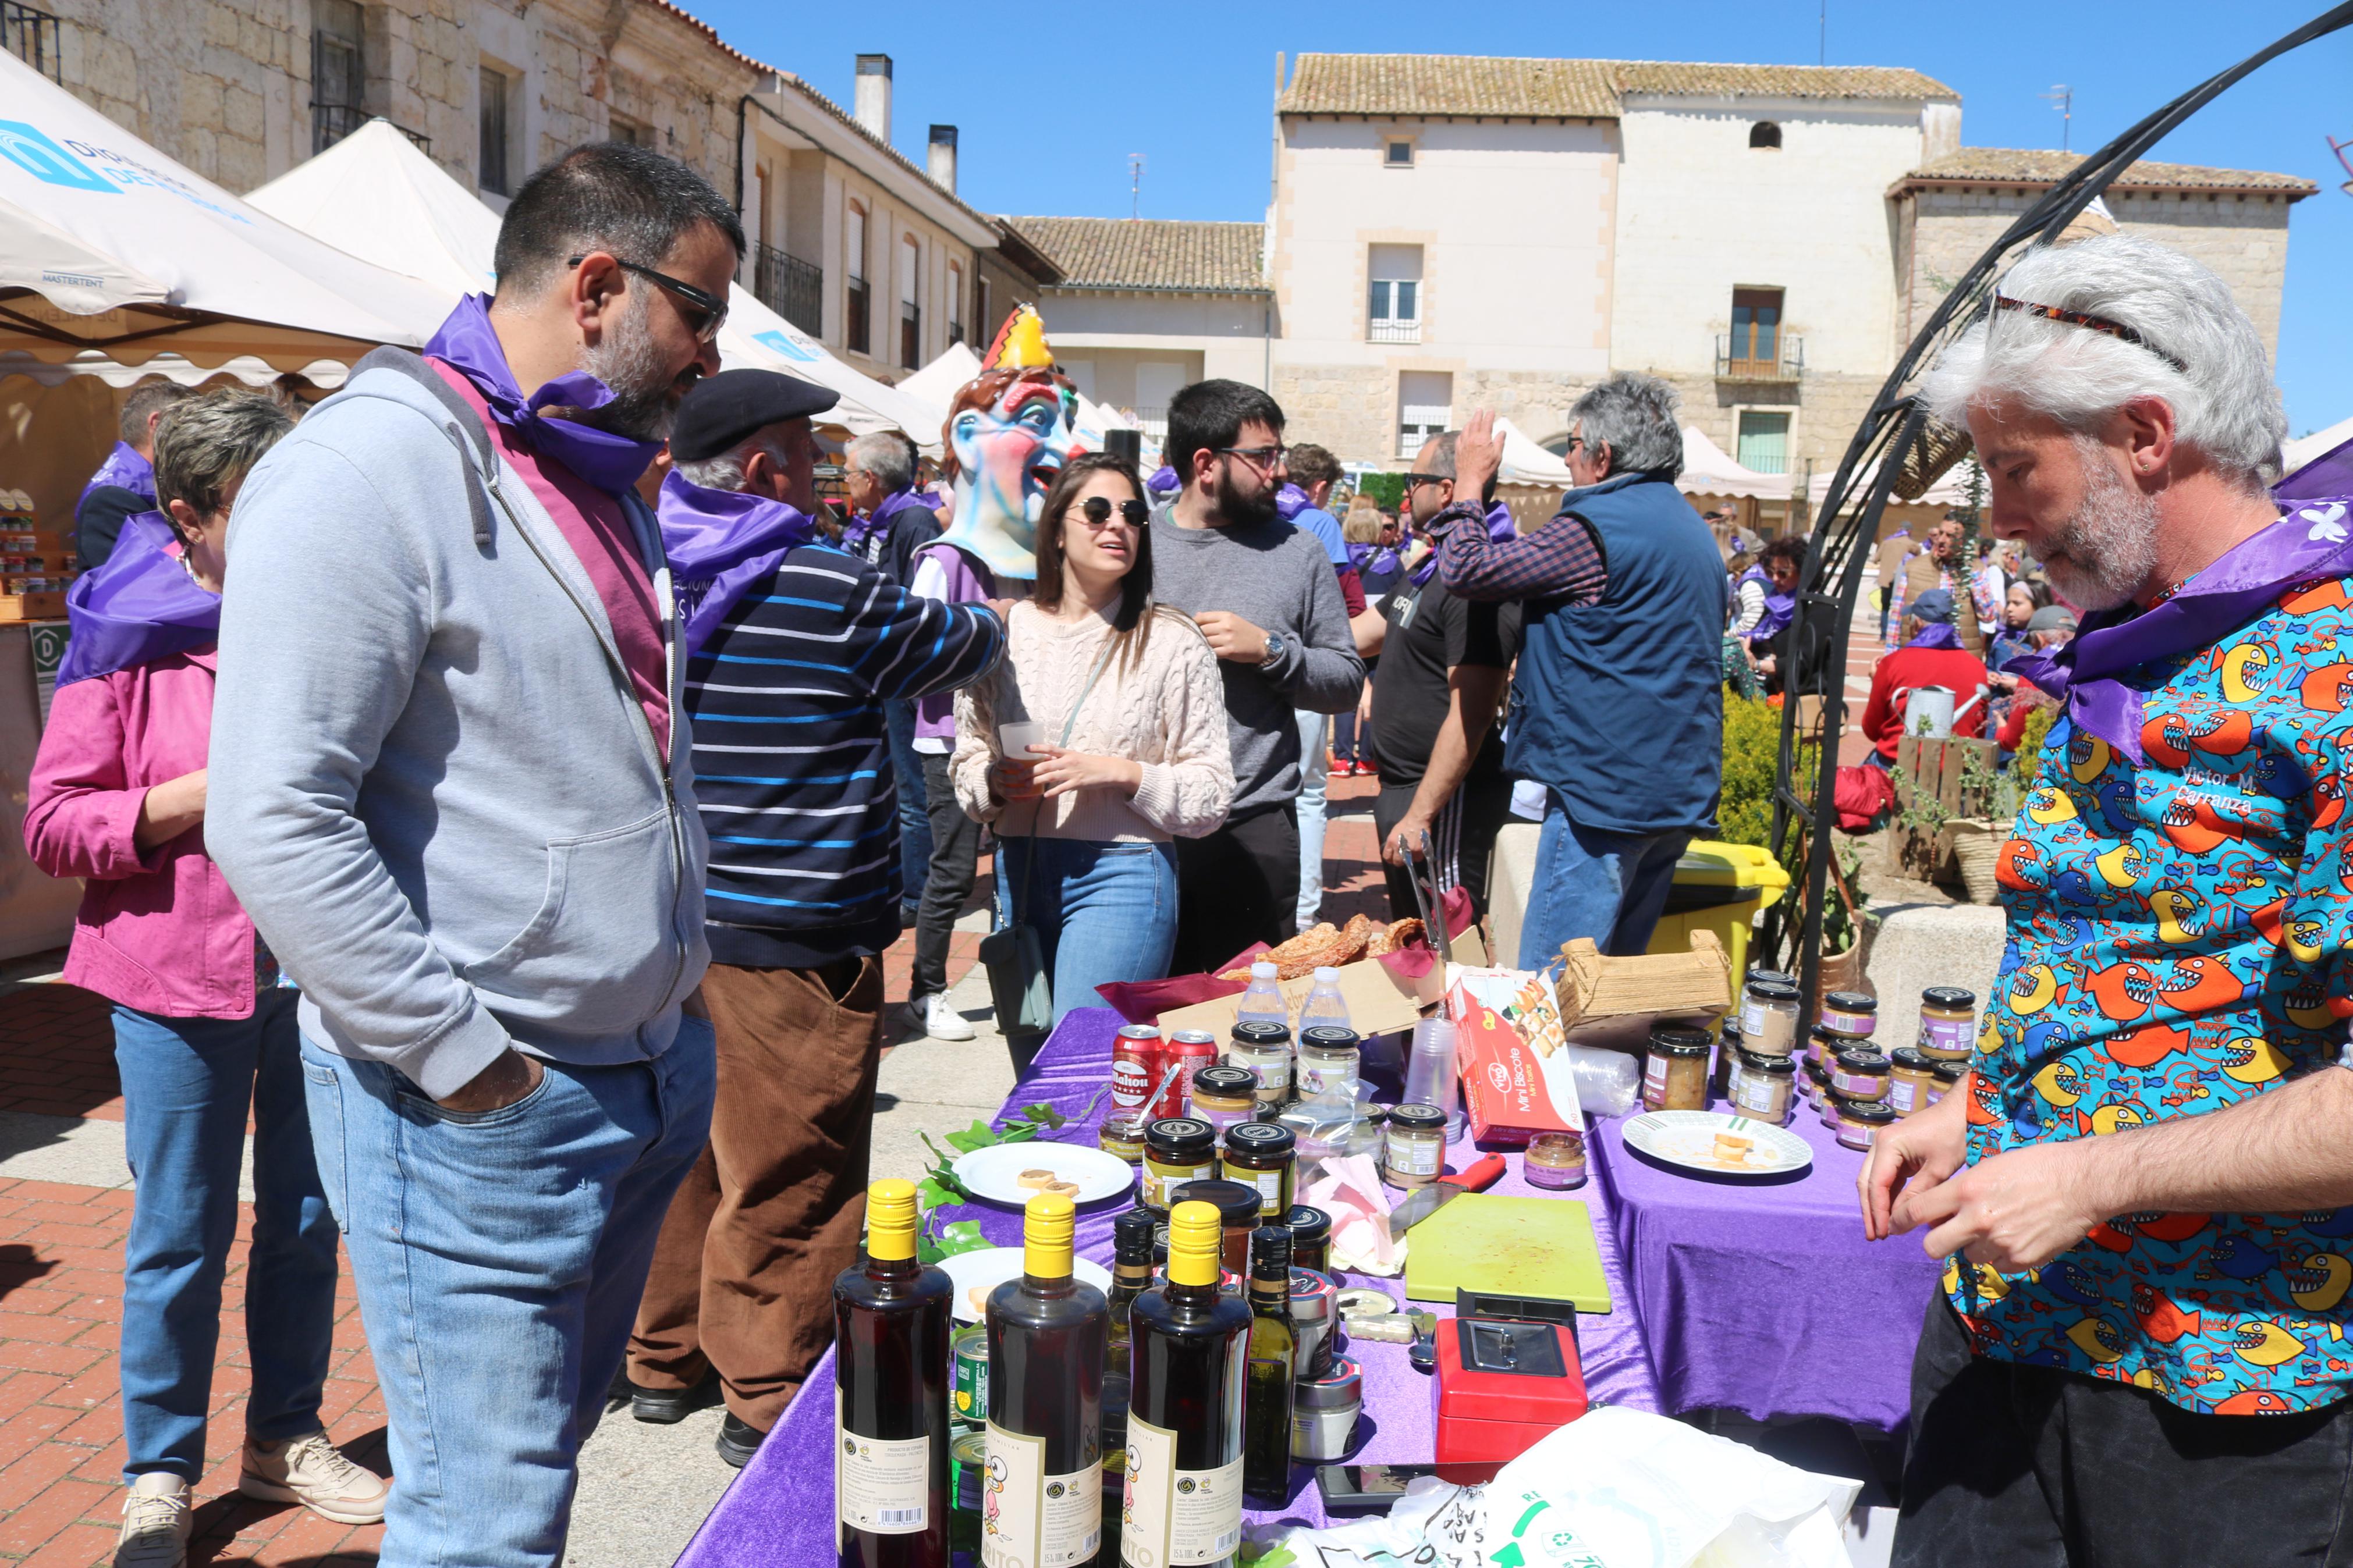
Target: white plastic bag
{"x": 1434, "y": 1524}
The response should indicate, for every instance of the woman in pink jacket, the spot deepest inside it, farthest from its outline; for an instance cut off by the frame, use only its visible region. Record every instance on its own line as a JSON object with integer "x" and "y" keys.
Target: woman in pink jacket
{"x": 203, "y": 1031}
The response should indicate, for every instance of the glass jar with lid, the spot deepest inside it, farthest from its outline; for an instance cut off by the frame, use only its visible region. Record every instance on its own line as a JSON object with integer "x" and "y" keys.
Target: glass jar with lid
{"x": 1310, "y": 1236}
{"x": 1767, "y": 1086}
{"x": 1949, "y": 1074}
{"x": 1222, "y": 1096}
{"x": 1949, "y": 1023}
{"x": 1861, "y": 1122}
{"x": 1330, "y": 1060}
{"x": 1911, "y": 1080}
{"x": 1852, "y": 1013}
{"x": 1264, "y": 1155}
{"x": 1176, "y": 1149}
{"x": 1237, "y": 1203}
{"x": 1861, "y": 1075}
{"x": 1768, "y": 1018}
{"x": 1414, "y": 1154}
{"x": 1675, "y": 1077}
{"x": 1555, "y": 1160}
{"x": 1264, "y": 1048}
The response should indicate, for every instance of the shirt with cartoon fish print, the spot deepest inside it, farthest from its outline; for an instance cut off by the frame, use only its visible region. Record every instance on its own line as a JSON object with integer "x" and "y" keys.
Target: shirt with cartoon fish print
{"x": 2179, "y": 942}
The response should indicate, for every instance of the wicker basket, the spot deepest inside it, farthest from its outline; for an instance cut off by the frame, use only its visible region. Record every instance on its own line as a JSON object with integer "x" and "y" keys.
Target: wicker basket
{"x": 1977, "y": 846}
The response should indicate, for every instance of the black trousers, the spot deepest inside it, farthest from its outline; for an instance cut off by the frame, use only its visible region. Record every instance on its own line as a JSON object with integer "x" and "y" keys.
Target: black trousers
{"x": 955, "y": 859}
{"x": 1463, "y": 835}
{"x": 2025, "y": 1466}
{"x": 1238, "y": 886}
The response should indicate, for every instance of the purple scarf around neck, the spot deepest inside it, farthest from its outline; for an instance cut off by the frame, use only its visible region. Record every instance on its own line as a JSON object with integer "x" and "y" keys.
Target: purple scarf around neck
{"x": 140, "y": 607}
{"x": 1936, "y": 634}
{"x": 858, "y": 530}
{"x": 125, "y": 468}
{"x": 720, "y": 543}
{"x": 2312, "y": 544}
{"x": 468, "y": 344}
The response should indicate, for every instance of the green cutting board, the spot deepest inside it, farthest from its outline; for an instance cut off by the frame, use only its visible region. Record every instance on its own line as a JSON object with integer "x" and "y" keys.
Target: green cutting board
{"x": 1507, "y": 1247}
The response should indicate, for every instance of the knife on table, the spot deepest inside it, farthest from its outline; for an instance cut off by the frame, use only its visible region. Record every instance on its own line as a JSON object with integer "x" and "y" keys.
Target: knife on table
{"x": 1424, "y": 1202}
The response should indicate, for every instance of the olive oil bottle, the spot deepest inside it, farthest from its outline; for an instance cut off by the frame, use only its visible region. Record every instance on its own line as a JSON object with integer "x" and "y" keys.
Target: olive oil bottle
{"x": 1267, "y": 1408}
{"x": 1190, "y": 1342}
{"x": 1041, "y": 1500}
{"x": 891, "y": 1320}
{"x": 1131, "y": 1275}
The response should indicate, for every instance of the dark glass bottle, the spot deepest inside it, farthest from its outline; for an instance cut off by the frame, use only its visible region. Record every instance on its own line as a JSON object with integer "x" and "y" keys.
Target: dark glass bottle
{"x": 1131, "y": 1275}
{"x": 1190, "y": 1344}
{"x": 890, "y": 1320}
{"x": 1266, "y": 1442}
{"x": 1041, "y": 1504}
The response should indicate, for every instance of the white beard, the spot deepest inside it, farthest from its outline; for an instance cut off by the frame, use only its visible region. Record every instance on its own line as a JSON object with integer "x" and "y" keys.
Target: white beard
{"x": 2103, "y": 556}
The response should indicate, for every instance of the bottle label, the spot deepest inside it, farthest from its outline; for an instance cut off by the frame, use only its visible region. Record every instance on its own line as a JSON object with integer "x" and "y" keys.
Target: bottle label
{"x": 1328, "y": 1078}
{"x": 1903, "y": 1097}
{"x": 882, "y": 1488}
{"x": 1268, "y": 1182}
{"x": 1029, "y": 1518}
{"x": 1171, "y": 1517}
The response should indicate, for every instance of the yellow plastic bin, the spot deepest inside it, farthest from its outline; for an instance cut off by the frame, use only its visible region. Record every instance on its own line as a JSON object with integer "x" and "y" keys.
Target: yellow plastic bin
{"x": 1718, "y": 887}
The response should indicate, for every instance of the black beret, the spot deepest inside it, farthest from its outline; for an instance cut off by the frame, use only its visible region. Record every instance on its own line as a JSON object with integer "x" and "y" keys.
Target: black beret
{"x": 719, "y": 411}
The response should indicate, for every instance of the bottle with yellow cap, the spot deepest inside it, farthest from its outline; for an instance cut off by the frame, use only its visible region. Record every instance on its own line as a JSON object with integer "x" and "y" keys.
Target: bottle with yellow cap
{"x": 891, "y": 1321}
{"x": 1041, "y": 1503}
{"x": 1189, "y": 1344}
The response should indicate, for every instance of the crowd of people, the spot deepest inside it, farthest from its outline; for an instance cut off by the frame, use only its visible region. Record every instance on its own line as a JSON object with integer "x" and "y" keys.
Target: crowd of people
{"x": 538, "y": 918}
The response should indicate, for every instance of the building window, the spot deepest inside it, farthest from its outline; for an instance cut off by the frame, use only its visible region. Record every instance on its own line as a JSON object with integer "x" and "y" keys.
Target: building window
{"x": 1394, "y": 312}
{"x": 854, "y": 323}
{"x": 1425, "y": 401}
{"x": 1764, "y": 442}
{"x": 34, "y": 36}
{"x": 910, "y": 313}
{"x": 1765, "y": 134}
{"x": 494, "y": 143}
{"x": 620, "y": 128}
{"x": 1398, "y": 155}
{"x": 955, "y": 302}
{"x": 337, "y": 80}
{"x": 1755, "y": 346}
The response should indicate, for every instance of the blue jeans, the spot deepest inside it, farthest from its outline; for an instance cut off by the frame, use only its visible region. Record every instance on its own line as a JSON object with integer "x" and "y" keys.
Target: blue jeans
{"x": 914, "y": 809}
{"x": 1312, "y": 730}
{"x": 500, "y": 1256}
{"x": 1607, "y": 886}
{"x": 186, "y": 1084}
{"x": 1103, "y": 912}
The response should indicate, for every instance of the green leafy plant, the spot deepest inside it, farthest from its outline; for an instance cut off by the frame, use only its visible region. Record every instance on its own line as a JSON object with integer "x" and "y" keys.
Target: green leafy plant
{"x": 938, "y": 1187}
{"x": 1383, "y": 490}
{"x": 1752, "y": 754}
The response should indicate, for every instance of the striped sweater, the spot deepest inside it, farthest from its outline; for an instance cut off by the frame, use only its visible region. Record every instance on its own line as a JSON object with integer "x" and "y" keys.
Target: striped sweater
{"x": 792, "y": 763}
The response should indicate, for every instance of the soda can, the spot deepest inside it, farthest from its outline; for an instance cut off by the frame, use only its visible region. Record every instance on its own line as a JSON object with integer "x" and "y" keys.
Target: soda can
{"x": 1186, "y": 1053}
{"x": 967, "y": 1470}
{"x": 968, "y": 1347}
{"x": 1135, "y": 1068}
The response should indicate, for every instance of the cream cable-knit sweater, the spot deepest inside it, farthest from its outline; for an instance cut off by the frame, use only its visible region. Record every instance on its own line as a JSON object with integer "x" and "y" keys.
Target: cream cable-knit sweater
{"x": 1167, "y": 711}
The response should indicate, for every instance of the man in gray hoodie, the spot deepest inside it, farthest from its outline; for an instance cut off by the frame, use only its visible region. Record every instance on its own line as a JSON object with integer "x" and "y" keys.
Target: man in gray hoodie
{"x": 453, "y": 790}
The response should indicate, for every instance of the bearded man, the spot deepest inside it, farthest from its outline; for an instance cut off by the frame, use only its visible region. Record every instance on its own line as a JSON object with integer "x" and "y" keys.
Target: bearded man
{"x": 2139, "y": 1355}
{"x": 454, "y": 792}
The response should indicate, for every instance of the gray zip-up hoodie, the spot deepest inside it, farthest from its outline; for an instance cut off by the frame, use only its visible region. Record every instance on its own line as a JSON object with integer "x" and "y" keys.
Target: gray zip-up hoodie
{"x": 430, "y": 783}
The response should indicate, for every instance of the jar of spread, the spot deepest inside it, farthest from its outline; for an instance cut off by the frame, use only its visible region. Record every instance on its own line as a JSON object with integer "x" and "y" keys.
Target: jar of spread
{"x": 1859, "y": 1123}
{"x": 1757, "y": 972}
{"x": 1675, "y": 1075}
{"x": 1860, "y": 1075}
{"x": 1237, "y": 1203}
{"x": 1949, "y": 1023}
{"x": 1912, "y": 1082}
{"x": 1264, "y": 1048}
{"x": 1414, "y": 1153}
{"x": 1814, "y": 1081}
{"x": 1262, "y": 1154}
{"x": 1311, "y": 1237}
{"x": 1555, "y": 1160}
{"x": 1222, "y": 1096}
{"x": 1852, "y": 1012}
{"x": 1122, "y": 1134}
{"x": 1330, "y": 1057}
{"x": 1948, "y": 1075}
{"x": 1768, "y": 1085}
{"x": 1176, "y": 1149}
{"x": 1728, "y": 1046}
{"x": 1768, "y": 1018}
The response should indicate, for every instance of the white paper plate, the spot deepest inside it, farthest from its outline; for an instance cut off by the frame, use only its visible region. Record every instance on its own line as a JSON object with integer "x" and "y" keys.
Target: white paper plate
{"x": 978, "y": 1273}
{"x": 994, "y": 1173}
{"x": 1687, "y": 1139}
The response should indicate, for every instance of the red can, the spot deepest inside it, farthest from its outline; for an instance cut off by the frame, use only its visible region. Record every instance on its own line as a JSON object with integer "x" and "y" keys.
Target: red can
{"x": 1135, "y": 1068}
{"x": 1186, "y": 1053}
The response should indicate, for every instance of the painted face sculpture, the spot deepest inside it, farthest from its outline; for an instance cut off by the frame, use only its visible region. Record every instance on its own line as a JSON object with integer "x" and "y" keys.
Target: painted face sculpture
{"x": 1009, "y": 433}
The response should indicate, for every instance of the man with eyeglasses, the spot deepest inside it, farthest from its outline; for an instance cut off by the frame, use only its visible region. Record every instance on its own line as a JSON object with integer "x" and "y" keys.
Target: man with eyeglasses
{"x": 1265, "y": 596}
{"x": 453, "y": 787}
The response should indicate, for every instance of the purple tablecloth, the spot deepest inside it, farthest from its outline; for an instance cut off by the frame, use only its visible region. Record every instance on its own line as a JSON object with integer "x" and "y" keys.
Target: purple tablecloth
{"x": 1768, "y": 1299}
{"x": 779, "y": 1511}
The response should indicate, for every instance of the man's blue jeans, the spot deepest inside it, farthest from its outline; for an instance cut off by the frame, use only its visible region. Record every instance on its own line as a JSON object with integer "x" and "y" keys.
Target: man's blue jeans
{"x": 186, "y": 1084}
{"x": 500, "y": 1256}
{"x": 1313, "y": 728}
{"x": 1103, "y": 912}
{"x": 914, "y": 809}
{"x": 1607, "y": 886}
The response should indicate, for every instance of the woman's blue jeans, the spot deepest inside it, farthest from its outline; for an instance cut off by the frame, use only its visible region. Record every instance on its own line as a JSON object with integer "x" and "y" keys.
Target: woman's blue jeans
{"x": 187, "y": 1084}
{"x": 1103, "y": 912}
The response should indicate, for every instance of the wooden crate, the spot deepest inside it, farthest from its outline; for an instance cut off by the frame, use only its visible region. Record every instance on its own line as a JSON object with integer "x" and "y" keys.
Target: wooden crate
{"x": 1930, "y": 770}
{"x": 48, "y": 604}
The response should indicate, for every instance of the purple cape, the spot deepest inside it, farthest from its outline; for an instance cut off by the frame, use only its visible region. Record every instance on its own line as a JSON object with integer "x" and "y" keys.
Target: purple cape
{"x": 124, "y": 468}
{"x": 1936, "y": 634}
{"x": 718, "y": 543}
{"x": 140, "y": 607}
{"x": 468, "y": 344}
{"x": 858, "y": 529}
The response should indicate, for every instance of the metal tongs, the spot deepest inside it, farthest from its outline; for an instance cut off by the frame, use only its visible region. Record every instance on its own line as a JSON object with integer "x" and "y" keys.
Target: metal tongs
{"x": 1431, "y": 904}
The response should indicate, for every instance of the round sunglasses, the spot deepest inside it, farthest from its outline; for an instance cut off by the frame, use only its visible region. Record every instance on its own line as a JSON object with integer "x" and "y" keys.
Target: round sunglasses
{"x": 1097, "y": 511}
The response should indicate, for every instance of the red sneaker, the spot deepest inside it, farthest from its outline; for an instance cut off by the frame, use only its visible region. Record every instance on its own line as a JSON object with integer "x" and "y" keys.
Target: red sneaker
{"x": 1367, "y": 770}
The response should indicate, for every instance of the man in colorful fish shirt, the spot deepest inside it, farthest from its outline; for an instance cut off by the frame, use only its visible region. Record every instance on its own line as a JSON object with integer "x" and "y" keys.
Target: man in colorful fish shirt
{"x": 2140, "y": 1355}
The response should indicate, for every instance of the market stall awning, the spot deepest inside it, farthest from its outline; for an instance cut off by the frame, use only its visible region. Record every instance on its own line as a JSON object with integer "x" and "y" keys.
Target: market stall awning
{"x": 1525, "y": 463}
{"x": 107, "y": 243}
{"x": 1710, "y": 470}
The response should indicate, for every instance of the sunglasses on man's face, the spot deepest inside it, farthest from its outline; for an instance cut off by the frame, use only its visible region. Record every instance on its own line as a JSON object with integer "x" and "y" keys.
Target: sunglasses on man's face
{"x": 1097, "y": 510}
{"x": 704, "y": 313}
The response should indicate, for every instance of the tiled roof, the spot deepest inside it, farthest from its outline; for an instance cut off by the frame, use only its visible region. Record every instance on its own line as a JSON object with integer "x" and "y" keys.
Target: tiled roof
{"x": 2032, "y": 166}
{"x": 1564, "y": 89}
{"x": 1149, "y": 253}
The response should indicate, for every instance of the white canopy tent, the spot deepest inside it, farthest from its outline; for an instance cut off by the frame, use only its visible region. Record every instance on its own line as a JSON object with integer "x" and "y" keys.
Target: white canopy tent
{"x": 374, "y": 194}
{"x": 936, "y": 384}
{"x": 1527, "y": 464}
{"x": 1710, "y": 470}
{"x": 2320, "y": 444}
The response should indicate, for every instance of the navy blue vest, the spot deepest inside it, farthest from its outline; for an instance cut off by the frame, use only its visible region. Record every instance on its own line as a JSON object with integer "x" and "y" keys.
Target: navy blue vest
{"x": 1619, "y": 706}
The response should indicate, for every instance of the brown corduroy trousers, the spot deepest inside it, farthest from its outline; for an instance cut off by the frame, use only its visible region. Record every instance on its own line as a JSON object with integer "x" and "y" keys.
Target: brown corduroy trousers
{"x": 743, "y": 1274}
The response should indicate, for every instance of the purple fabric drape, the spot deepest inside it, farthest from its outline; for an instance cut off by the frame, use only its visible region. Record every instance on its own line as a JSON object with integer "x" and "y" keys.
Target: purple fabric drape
{"x": 124, "y": 468}
{"x": 2330, "y": 474}
{"x": 1937, "y": 634}
{"x": 142, "y": 605}
{"x": 858, "y": 529}
{"x": 718, "y": 543}
{"x": 468, "y": 344}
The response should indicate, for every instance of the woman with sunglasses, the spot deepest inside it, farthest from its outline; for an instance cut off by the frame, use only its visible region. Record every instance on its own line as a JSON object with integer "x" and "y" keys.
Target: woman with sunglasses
{"x": 1099, "y": 740}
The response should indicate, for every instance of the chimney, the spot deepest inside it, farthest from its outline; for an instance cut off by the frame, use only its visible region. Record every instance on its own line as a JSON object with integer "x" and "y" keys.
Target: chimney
{"x": 944, "y": 157}
{"x": 873, "y": 108}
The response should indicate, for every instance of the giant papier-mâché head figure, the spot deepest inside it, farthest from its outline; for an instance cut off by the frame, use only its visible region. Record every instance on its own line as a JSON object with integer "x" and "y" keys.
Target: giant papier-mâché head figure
{"x": 1008, "y": 434}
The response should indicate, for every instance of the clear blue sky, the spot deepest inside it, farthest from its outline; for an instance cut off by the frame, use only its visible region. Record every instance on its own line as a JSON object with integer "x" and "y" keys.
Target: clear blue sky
{"x": 1051, "y": 102}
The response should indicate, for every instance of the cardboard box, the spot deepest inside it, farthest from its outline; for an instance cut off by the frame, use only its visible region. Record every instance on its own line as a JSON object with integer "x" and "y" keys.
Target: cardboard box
{"x": 1380, "y": 1002}
{"x": 1517, "y": 1081}
{"x": 1613, "y": 1002}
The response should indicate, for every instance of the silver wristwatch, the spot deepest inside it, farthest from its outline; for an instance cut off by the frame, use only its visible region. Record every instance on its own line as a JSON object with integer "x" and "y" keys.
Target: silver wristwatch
{"x": 1275, "y": 647}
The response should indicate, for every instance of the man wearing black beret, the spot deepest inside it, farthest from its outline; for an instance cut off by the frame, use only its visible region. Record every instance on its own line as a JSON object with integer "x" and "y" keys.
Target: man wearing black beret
{"x": 794, "y": 648}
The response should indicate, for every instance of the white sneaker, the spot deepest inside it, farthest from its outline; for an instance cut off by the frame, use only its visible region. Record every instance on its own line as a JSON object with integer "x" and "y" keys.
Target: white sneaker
{"x": 155, "y": 1523}
{"x": 312, "y": 1471}
{"x": 942, "y": 1022}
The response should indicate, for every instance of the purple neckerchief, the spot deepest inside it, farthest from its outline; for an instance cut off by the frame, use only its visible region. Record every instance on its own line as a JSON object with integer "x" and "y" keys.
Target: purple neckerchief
{"x": 140, "y": 607}
{"x": 1936, "y": 634}
{"x": 468, "y": 344}
{"x": 969, "y": 581}
{"x": 858, "y": 529}
{"x": 1358, "y": 555}
{"x": 2312, "y": 544}
{"x": 1162, "y": 480}
{"x": 125, "y": 469}
{"x": 1500, "y": 527}
{"x": 2330, "y": 474}
{"x": 718, "y": 543}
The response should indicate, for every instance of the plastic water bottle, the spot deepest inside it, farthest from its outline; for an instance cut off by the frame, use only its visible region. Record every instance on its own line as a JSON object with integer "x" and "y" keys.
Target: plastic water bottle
{"x": 1325, "y": 1004}
{"x": 1262, "y": 1001}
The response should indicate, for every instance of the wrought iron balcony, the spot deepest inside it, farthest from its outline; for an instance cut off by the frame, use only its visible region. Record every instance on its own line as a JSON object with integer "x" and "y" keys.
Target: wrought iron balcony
{"x": 790, "y": 286}
{"x": 1783, "y": 359}
{"x": 1381, "y": 330}
{"x": 32, "y": 36}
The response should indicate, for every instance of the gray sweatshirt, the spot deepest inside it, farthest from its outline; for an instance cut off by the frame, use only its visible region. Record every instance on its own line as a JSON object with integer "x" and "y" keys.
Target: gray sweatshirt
{"x": 1278, "y": 579}
{"x": 430, "y": 783}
